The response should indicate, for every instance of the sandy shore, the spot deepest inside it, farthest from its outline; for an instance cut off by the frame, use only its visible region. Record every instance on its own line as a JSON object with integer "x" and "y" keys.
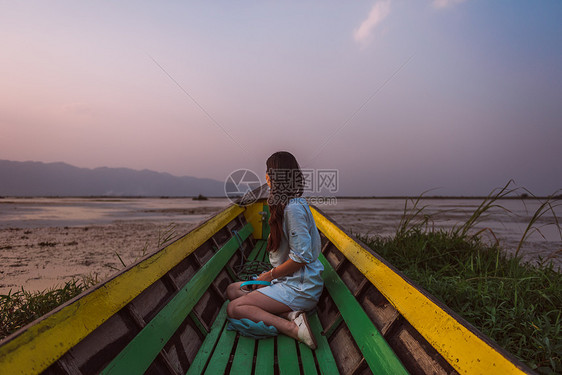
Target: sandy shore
{"x": 40, "y": 258}
{"x": 44, "y": 243}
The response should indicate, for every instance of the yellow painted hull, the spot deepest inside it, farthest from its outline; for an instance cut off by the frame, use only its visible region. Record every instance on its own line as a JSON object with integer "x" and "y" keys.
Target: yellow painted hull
{"x": 425, "y": 335}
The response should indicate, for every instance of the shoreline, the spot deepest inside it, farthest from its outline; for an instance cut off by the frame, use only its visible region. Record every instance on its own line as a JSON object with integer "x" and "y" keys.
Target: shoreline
{"x": 117, "y": 198}
{"x": 43, "y": 258}
{"x": 46, "y": 242}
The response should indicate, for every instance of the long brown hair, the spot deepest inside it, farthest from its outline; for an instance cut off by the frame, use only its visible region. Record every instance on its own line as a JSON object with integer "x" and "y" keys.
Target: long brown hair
{"x": 287, "y": 182}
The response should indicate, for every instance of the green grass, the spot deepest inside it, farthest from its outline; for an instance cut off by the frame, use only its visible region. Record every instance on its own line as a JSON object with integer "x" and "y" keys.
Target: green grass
{"x": 22, "y": 307}
{"x": 516, "y": 304}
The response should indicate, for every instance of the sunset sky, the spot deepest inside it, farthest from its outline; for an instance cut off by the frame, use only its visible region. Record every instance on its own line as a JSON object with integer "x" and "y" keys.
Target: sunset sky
{"x": 398, "y": 96}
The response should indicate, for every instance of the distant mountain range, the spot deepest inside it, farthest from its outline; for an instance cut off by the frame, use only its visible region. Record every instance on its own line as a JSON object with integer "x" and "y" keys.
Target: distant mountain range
{"x": 26, "y": 179}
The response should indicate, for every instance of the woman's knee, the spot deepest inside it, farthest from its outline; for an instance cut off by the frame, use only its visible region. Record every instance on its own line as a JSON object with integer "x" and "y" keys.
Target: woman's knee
{"x": 233, "y": 291}
{"x": 230, "y": 291}
{"x": 232, "y": 309}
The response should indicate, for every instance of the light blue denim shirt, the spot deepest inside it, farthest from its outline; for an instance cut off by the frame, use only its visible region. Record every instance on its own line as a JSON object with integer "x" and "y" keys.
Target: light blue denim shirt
{"x": 301, "y": 243}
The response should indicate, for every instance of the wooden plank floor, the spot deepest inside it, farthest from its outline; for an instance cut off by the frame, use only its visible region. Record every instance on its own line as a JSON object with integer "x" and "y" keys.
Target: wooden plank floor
{"x": 232, "y": 353}
{"x": 225, "y": 351}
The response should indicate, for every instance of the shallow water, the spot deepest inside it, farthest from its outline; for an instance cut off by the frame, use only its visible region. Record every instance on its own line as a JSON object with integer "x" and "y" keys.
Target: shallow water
{"x": 72, "y": 212}
{"x": 505, "y": 224}
{"x": 366, "y": 216}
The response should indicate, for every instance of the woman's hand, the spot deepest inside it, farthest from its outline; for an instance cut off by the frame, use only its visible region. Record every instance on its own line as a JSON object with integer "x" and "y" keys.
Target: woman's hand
{"x": 265, "y": 276}
{"x": 287, "y": 268}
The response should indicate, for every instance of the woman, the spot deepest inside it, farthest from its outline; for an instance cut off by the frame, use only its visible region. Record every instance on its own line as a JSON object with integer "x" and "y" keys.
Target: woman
{"x": 294, "y": 246}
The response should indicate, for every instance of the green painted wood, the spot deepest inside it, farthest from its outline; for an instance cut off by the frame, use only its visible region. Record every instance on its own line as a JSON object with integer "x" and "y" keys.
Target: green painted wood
{"x": 259, "y": 255}
{"x": 265, "y": 357}
{"x": 244, "y": 356}
{"x": 231, "y": 273}
{"x": 379, "y": 356}
{"x": 287, "y": 355}
{"x": 221, "y": 355}
{"x": 198, "y": 324}
{"x": 332, "y": 328}
{"x": 307, "y": 360}
{"x": 206, "y": 348}
{"x": 323, "y": 353}
{"x": 265, "y": 256}
{"x": 141, "y": 351}
{"x": 260, "y": 245}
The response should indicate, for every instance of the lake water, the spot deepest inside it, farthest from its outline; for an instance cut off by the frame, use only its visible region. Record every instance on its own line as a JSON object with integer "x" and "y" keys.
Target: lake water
{"x": 53, "y": 212}
{"x": 365, "y": 216}
{"x": 506, "y": 224}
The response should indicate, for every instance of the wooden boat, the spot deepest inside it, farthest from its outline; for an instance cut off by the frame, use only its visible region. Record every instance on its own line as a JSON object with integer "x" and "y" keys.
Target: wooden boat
{"x": 166, "y": 315}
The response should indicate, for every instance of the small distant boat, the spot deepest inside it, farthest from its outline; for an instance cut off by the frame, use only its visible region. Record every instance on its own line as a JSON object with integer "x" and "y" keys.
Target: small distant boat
{"x": 166, "y": 314}
{"x": 200, "y": 197}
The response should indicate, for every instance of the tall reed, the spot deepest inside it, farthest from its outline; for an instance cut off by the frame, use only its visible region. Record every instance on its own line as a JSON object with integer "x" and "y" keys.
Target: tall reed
{"x": 547, "y": 206}
{"x": 21, "y": 307}
{"x": 516, "y": 304}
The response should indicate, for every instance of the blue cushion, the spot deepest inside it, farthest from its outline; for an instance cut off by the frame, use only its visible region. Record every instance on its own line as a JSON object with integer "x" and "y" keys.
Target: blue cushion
{"x": 248, "y": 328}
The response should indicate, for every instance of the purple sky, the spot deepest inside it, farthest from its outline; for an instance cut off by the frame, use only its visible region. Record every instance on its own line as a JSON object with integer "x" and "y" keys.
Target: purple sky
{"x": 399, "y": 97}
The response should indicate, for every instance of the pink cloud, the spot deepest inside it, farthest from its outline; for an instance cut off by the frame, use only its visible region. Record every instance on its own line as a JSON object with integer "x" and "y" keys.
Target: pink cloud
{"x": 439, "y": 4}
{"x": 378, "y": 13}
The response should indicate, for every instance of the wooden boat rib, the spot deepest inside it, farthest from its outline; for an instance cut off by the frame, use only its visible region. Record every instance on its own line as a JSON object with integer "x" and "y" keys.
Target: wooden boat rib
{"x": 166, "y": 314}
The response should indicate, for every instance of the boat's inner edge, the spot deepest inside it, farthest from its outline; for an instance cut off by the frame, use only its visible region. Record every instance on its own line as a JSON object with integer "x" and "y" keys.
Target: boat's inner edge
{"x": 181, "y": 351}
